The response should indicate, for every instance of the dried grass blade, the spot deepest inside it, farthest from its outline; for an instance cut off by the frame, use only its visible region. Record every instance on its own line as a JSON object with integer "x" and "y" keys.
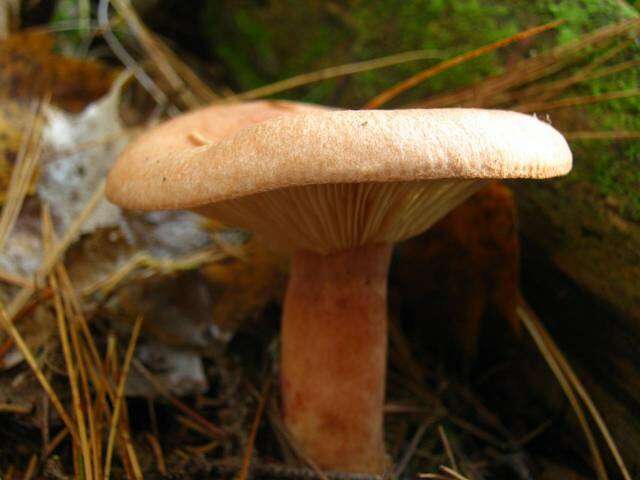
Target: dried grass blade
{"x": 420, "y": 77}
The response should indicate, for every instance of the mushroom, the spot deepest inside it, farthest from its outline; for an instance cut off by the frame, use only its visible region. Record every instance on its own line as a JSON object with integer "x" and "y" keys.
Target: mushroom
{"x": 337, "y": 189}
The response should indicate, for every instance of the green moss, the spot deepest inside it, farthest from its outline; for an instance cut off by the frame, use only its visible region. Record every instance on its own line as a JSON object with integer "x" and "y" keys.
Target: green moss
{"x": 262, "y": 42}
{"x": 584, "y": 15}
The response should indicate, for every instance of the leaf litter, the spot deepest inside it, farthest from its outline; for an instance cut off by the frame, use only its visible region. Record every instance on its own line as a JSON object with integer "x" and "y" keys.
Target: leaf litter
{"x": 115, "y": 284}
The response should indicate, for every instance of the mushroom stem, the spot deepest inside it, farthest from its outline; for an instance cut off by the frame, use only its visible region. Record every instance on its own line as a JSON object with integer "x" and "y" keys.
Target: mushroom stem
{"x": 334, "y": 354}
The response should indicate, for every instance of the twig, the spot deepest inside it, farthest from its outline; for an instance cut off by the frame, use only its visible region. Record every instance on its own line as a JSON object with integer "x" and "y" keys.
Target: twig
{"x": 146, "y": 260}
{"x": 490, "y": 91}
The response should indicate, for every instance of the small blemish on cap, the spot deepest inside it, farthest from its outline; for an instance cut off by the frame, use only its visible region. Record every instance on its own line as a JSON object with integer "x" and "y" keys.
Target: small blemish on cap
{"x": 364, "y": 124}
{"x": 164, "y": 179}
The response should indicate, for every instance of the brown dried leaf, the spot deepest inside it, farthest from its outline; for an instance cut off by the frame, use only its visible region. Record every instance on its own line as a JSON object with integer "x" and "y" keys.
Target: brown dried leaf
{"x": 31, "y": 69}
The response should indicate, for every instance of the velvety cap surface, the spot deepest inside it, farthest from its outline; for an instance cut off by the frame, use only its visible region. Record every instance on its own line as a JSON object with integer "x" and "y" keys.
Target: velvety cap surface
{"x": 166, "y": 169}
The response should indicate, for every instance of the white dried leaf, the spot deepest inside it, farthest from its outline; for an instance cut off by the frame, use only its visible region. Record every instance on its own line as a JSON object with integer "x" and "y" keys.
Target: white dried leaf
{"x": 82, "y": 147}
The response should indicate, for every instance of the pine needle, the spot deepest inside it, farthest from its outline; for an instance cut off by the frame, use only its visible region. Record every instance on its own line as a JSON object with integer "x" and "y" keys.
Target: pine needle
{"x": 534, "y": 324}
{"x": 334, "y": 72}
{"x": 56, "y": 252}
{"x": 420, "y": 77}
{"x": 248, "y": 452}
{"x": 70, "y": 361}
{"x": 540, "y": 342}
{"x": 157, "y": 453}
{"x": 31, "y": 361}
{"x": 115, "y": 418}
{"x": 31, "y": 467}
{"x": 23, "y": 172}
{"x": 213, "y": 430}
{"x": 575, "y": 101}
{"x": 447, "y": 447}
{"x": 413, "y": 445}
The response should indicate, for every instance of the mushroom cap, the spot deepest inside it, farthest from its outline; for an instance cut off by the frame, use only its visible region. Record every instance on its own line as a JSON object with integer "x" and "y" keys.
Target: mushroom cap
{"x": 165, "y": 169}
{"x": 326, "y": 181}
